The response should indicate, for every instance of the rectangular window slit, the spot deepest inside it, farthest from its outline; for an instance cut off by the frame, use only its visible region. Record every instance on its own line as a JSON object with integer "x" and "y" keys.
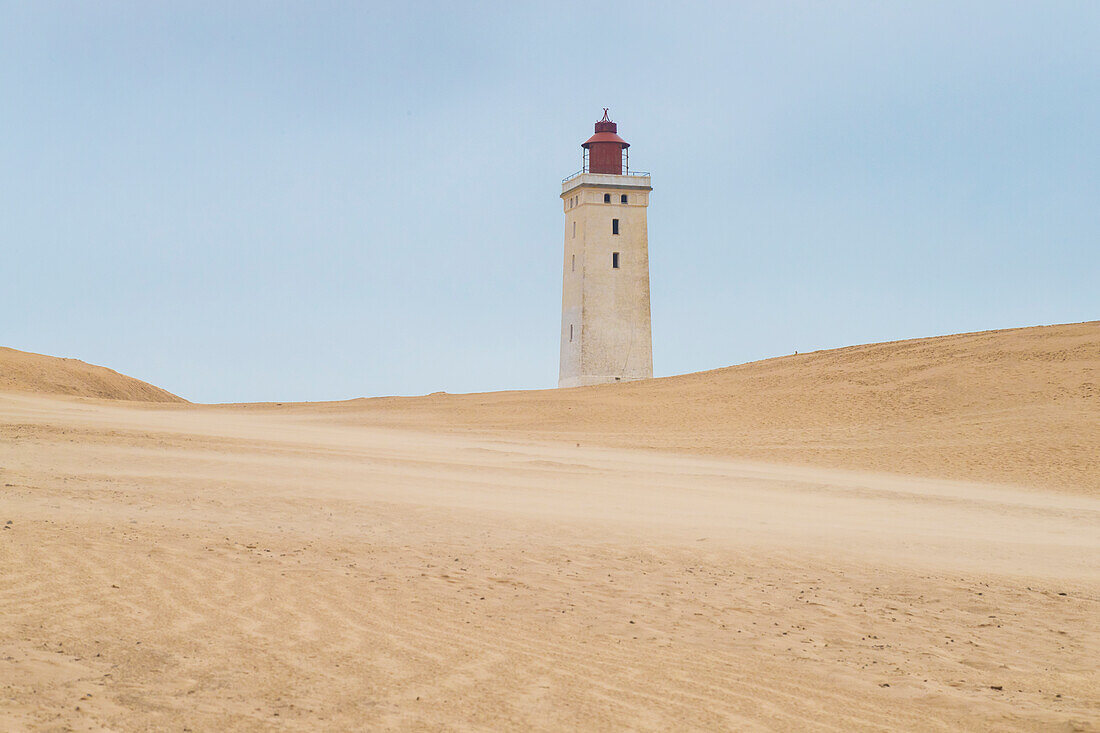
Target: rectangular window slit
{"x": 614, "y": 226}
{"x": 615, "y": 260}
{"x": 570, "y": 331}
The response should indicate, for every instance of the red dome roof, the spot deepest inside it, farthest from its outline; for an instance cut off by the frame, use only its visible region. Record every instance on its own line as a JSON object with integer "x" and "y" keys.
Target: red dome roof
{"x": 605, "y": 137}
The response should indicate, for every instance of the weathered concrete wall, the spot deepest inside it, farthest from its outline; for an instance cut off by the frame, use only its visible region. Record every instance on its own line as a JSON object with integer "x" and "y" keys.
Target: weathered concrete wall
{"x": 606, "y": 331}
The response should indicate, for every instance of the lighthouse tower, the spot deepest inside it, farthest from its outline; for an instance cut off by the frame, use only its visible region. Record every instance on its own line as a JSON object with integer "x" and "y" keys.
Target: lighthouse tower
{"x": 605, "y": 327}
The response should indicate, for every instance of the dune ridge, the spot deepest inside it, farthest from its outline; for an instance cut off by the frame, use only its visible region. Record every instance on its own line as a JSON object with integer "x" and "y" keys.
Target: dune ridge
{"x": 1018, "y": 406}
{"x": 23, "y": 371}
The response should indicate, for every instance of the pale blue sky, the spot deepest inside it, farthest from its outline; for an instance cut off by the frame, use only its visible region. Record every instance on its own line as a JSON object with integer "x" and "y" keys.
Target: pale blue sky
{"x": 302, "y": 201}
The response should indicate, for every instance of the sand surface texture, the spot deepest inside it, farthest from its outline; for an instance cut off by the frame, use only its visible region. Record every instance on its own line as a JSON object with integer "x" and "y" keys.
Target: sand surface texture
{"x": 427, "y": 564}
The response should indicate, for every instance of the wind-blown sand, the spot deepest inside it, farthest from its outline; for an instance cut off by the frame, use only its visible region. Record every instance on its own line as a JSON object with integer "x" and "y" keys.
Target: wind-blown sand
{"x": 709, "y": 556}
{"x": 1017, "y": 406}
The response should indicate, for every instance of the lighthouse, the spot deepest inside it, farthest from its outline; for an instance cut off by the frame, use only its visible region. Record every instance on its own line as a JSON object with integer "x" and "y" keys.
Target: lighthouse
{"x": 605, "y": 324}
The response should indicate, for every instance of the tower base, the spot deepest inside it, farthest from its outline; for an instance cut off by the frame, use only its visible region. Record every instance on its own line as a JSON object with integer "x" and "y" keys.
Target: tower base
{"x": 586, "y": 380}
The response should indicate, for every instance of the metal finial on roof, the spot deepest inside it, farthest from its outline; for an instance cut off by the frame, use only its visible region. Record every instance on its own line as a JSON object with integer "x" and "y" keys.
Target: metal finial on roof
{"x": 605, "y": 118}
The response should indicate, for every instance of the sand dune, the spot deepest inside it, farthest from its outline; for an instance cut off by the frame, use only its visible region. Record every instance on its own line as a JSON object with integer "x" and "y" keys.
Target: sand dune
{"x": 461, "y": 563}
{"x": 1018, "y": 406}
{"x": 25, "y": 372}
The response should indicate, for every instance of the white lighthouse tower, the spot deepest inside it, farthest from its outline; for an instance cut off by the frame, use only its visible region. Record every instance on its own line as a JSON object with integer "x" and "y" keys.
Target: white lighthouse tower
{"x": 605, "y": 327}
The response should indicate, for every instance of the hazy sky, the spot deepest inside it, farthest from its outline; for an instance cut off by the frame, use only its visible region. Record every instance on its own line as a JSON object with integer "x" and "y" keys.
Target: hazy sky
{"x": 302, "y": 201}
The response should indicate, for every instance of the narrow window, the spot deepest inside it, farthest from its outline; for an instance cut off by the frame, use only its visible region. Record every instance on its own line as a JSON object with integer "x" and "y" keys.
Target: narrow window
{"x": 574, "y": 230}
{"x": 570, "y": 331}
{"x": 622, "y": 199}
{"x": 614, "y": 226}
{"x": 615, "y": 260}
{"x": 573, "y": 266}
{"x": 607, "y": 198}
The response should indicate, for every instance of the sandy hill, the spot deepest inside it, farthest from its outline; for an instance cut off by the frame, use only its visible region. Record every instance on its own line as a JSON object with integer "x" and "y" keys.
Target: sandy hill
{"x": 21, "y": 371}
{"x": 488, "y": 562}
{"x": 1018, "y": 406}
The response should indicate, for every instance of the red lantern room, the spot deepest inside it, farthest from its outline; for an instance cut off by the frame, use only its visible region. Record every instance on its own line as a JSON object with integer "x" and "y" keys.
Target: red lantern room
{"x": 605, "y": 152}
